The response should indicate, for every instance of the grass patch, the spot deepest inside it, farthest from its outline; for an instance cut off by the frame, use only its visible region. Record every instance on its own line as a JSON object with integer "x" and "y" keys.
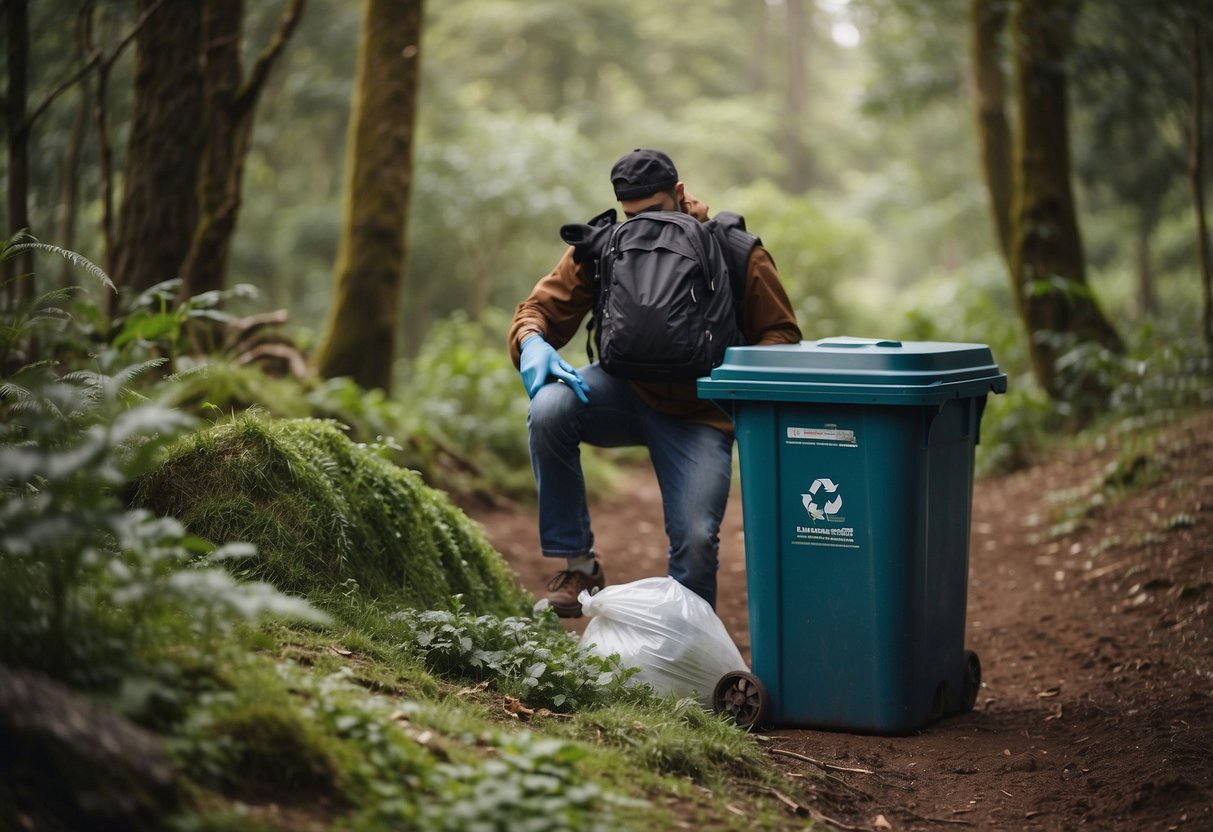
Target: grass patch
{"x": 372, "y": 740}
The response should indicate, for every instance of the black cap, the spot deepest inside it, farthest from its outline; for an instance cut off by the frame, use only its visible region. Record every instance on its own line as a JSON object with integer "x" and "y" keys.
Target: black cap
{"x": 641, "y": 173}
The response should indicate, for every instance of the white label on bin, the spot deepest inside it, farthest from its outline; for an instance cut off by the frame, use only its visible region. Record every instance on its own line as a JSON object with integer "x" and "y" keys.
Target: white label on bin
{"x": 826, "y": 524}
{"x": 818, "y": 436}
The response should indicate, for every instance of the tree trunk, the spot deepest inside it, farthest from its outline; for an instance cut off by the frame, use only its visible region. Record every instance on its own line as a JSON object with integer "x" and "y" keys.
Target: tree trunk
{"x": 797, "y": 180}
{"x": 988, "y": 19}
{"x": 231, "y": 103}
{"x": 1147, "y": 297}
{"x": 359, "y": 339}
{"x": 159, "y": 202}
{"x": 70, "y": 187}
{"x": 18, "y": 271}
{"x": 1046, "y": 250}
{"x": 761, "y": 13}
{"x": 1196, "y": 174}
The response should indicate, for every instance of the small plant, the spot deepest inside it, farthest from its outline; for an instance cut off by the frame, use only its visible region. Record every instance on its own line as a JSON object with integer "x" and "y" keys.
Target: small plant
{"x": 530, "y": 782}
{"x": 536, "y": 661}
{"x": 88, "y": 587}
{"x": 508, "y": 781}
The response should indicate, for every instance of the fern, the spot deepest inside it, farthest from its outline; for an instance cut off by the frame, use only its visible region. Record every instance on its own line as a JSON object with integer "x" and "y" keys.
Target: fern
{"x": 91, "y": 592}
{"x": 77, "y": 260}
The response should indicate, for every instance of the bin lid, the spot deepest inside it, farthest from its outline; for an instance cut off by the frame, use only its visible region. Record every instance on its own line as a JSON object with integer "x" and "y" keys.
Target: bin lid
{"x": 855, "y": 370}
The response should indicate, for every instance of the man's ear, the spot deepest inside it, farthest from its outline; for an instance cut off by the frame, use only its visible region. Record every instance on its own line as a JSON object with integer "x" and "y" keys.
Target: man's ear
{"x": 680, "y": 195}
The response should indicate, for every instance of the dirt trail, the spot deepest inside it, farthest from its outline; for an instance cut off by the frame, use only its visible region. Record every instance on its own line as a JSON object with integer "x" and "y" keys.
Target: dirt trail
{"x": 1096, "y": 708}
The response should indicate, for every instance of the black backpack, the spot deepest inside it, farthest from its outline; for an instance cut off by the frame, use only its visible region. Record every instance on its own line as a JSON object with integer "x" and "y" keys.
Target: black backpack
{"x": 667, "y": 291}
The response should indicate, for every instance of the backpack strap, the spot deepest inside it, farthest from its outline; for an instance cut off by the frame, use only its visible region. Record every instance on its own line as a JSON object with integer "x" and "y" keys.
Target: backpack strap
{"x": 589, "y": 240}
{"x": 737, "y": 244}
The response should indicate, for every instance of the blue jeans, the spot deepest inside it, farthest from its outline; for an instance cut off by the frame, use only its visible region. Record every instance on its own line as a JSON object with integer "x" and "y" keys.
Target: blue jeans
{"x": 693, "y": 463}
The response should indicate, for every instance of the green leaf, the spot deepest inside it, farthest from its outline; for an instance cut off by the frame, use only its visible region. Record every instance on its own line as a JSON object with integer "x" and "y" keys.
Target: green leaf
{"x": 143, "y": 325}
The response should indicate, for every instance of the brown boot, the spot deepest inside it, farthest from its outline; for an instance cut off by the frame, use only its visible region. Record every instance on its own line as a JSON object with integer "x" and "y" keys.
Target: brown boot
{"x": 566, "y": 586}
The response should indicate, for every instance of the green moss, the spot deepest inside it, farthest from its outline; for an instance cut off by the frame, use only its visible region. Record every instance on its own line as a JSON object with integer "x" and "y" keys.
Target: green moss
{"x": 326, "y": 514}
{"x": 268, "y": 749}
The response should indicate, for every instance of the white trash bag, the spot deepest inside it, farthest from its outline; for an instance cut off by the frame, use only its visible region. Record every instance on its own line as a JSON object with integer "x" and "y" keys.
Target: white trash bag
{"x": 666, "y": 630}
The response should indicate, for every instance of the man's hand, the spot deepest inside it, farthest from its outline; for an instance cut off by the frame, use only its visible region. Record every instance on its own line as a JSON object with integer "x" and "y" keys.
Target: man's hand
{"x": 540, "y": 361}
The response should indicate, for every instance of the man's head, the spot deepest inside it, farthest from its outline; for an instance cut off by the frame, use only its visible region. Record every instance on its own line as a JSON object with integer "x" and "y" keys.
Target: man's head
{"x": 646, "y": 180}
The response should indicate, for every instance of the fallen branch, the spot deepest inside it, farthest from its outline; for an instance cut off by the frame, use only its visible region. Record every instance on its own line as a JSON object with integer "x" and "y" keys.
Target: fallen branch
{"x": 925, "y": 819}
{"x": 1105, "y": 570}
{"x": 821, "y": 765}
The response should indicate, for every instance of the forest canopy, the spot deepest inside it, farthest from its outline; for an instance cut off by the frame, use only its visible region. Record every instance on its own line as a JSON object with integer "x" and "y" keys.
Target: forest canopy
{"x": 901, "y": 159}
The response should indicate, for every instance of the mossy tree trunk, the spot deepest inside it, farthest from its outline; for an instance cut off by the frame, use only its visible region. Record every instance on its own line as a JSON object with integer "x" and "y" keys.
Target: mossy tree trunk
{"x": 231, "y": 101}
{"x": 1047, "y": 261}
{"x": 359, "y": 338}
{"x": 18, "y": 271}
{"x": 160, "y": 203}
{"x": 987, "y": 23}
{"x": 1196, "y": 173}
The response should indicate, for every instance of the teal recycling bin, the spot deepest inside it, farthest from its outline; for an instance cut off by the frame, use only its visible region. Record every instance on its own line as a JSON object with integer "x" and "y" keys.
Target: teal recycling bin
{"x": 856, "y": 461}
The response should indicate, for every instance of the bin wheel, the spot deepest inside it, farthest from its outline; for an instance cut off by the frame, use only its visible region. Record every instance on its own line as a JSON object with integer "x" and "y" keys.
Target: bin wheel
{"x": 972, "y": 680}
{"x": 742, "y": 696}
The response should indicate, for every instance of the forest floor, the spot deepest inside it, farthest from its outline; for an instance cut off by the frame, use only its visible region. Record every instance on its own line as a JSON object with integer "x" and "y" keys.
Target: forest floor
{"x": 1089, "y": 604}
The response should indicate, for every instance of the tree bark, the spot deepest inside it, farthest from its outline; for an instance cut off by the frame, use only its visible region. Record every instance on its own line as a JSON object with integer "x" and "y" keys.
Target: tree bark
{"x": 71, "y": 157}
{"x": 797, "y": 180}
{"x": 18, "y": 271}
{"x": 231, "y": 102}
{"x": 359, "y": 339}
{"x": 1047, "y": 260}
{"x": 988, "y": 19}
{"x": 159, "y": 203}
{"x": 1147, "y": 296}
{"x": 1196, "y": 174}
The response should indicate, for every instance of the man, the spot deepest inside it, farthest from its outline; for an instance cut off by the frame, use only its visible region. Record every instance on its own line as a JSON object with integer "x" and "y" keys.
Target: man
{"x": 690, "y": 441}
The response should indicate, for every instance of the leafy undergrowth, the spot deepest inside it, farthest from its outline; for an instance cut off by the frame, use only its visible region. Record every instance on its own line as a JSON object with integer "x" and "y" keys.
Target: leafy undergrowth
{"x": 428, "y": 701}
{"x": 366, "y": 699}
{"x": 368, "y": 727}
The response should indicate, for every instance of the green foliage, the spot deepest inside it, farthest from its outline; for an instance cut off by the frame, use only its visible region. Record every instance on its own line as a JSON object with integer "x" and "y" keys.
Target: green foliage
{"x": 248, "y": 749}
{"x": 322, "y": 510}
{"x": 145, "y": 614}
{"x": 538, "y": 662}
{"x": 486, "y": 210}
{"x": 36, "y": 329}
{"x": 159, "y": 318}
{"x": 463, "y": 392}
{"x": 678, "y": 737}
{"x": 89, "y": 590}
{"x": 1162, "y": 375}
{"x": 814, "y": 251}
{"x": 531, "y": 782}
{"x": 364, "y": 745}
{"x": 1144, "y": 456}
{"x": 219, "y": 387}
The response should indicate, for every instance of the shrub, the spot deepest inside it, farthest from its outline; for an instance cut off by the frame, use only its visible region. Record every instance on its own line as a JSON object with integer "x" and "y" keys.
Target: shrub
{"x": 538, "y": 662}
{"x": 90, "y": 590}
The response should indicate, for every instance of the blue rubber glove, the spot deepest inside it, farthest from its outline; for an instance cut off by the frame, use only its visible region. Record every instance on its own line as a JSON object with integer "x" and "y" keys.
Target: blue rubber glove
{"x": 540, "y": 361}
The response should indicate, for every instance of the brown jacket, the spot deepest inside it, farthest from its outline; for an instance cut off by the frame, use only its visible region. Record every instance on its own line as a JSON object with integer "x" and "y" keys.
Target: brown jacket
{"x": 559, "y": 302}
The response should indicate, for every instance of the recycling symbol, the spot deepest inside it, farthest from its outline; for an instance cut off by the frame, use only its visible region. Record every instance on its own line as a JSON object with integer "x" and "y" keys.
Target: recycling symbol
{"x": 832, "y": 506}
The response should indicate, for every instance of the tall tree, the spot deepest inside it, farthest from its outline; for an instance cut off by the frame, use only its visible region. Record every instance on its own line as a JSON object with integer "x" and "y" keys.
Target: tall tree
{"x": 990, "y": 98}
{"x": 16, "y": 20}
{"x": 359, "y": 338}
{"x": 231, "y": 101}
{"x": 798, "y": 31}
{"x": 1196, "y": 170}
{"x": 160, "y": 204}
{"x": 1047, "y": 261}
